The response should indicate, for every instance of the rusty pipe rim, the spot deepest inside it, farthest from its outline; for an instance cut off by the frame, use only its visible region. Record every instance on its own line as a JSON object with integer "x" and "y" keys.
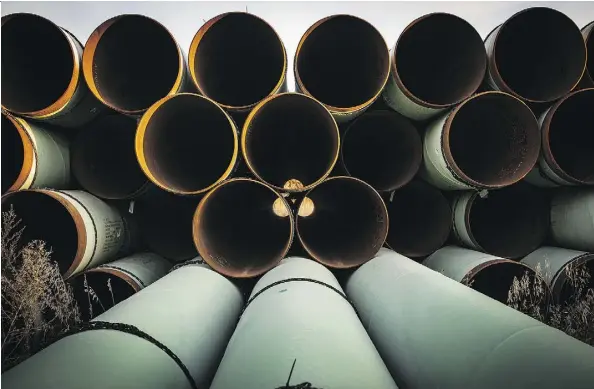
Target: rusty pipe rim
{"x": 528, "y": 163}
{"x": 198, "y": 38}
{"x": 215, "y": 261}
{"x": 142, "y": 157}
{"x": 249, "y": 122}
{"x": 57, "y": 106}
{"x": 134, "y": 284}
{"x": 398, "y": 80}
{"x": 28, "y": 170}
{"x": 88, "y": 60}
{"x": 331, "y": 108}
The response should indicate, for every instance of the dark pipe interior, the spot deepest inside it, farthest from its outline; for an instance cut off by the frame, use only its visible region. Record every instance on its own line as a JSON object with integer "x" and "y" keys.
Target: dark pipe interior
{"x": 37, "y": 63}
{"x": 343, "y": 62}
{"x": 188, "y": 143}
{"x": 136, "y": 63}
{"x": 103, "y": 158}
{"x": 292, "y": 137}
{"x": 239, "y": 60}
{"x": 97, "y": 281}
{"x": 571, "y": 134}
{"x": 540, "y": 44}
{"x": 494, "y": 139}
{"x": 590, "y": 49}
{"x": 568, "y": 288}
{"x": 441, "y": 59}
{"x": 420, "y": 219}
{"x": 383, "y": 149}
{"x": 510, "y": 222}
{"x": 45, "y": 218}
{"x": 348, "y": 225}
{"x": 13, "y": 153}
{"x": 240, "y": 233}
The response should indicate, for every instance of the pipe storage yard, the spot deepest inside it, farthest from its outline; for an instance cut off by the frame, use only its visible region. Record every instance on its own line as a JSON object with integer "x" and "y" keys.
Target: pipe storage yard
{"x": 297, "y": 195}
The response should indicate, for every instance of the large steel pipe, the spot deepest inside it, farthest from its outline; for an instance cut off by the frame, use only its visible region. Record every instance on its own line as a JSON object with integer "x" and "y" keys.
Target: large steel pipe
{"x": 567, "y": 131}
{"x": 132, "y": 61}
{"x": 237, "y": 59}
{"x": 169, "y": 335}
{"x": 420, "y": 219}
{"x": 588, "y": 78}
{"x": 342, "y": 222}
{"x": 103, "y": 159}
{"x": 537, "y": 55}
{"x": 572, "y": 219}
{"x": 489, "y": 141}
{"x": 41, "y": 72}
{"x": 187, "y": 144}
{"x": 98, "y": 289}
{"x": 343, "y": 62}
{"x": 290, "y": 141}
{"x": 243, "y": 228}
{"x": 438, "y": 61}
{"x": 81, "y": 230}
{"x": 492, "y": 276}
{"x": 305, "y": 342}
{"x": 433, "y": 332}
{"x": 32, "y": 157}
{"x": 553, "y": 263}
{"x": 510, "y": 222}
{"x": 383, "y": 149}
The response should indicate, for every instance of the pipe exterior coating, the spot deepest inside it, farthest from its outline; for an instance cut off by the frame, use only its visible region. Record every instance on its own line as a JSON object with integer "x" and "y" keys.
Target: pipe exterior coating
{"x": 304, "y": 322}
{"x": 433, "y": 332}
{"x": 572, "y": 219}
{"x": 458, "y": 263}
{"x": 191, "y": 311}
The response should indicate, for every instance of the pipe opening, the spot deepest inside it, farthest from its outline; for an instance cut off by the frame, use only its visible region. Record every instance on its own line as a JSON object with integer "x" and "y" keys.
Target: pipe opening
{"x": 348, "y": 225}
{"x": 383, "y": 149}
{"x": 590, "y": 49}
{"x": 46, "y": 219}
{"x": 13, "y": 153}
{"x": 343, "y": 61}
{"x": 237, "y": 231}
{"x": 136, "y": 62}
{"x": 420, "y": 220}
{"x": 189, "y": 144}
{"x": 103, "y": 158}
{"x": 494, "y": 139}
{"x": 540, "y": 44}
{"x": 568, "y": 292}
{"x": 571, "y": 136}
{"x": 239, "y": 60}
{"x": 37, "y": 63}
{"x": 441, "y": 59}
{"x": 496, "y": 279}
{"x": 291, "y": 138}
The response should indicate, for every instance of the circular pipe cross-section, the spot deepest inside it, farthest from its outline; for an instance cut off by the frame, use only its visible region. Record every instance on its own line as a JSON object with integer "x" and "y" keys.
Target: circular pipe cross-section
{"x": 290, "y": 141}
{"x": 489, "y": 141}
{"x": 237, "y": 60}
{"x": 186, "y": 144}
{"x": 537, "y": 55}
{"x": 103, "y": 159}
{"x": 243, "y": 228}
{"x": 438, "y": 61}
{"x": 420, "y": 219}
{"x": 383, "y": 149}
{"x": 132, "y": 61}
{"x": 343, "y": 222}
{"x": 343, "y": 62}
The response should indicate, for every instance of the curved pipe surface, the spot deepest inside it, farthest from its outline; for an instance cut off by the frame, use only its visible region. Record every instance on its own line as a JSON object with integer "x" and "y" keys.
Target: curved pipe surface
{"x": 186, "y": 144}
{"x": 420, "y": 219}
{"x": 572, "y": 218}
{"x": 410, "y": 311}
{"x": 243, "y": 228}
{"x": 438, "y": 61}
{"x": 342, "y": 222}
{"x": 533, "y": 45}
{"x": 343, "y": 62}
{"x": 103, "y": 159}
{"x": 237, "y": 59}
{"x": 588, "y": 78}
{"x": 290, "y": 141}
{"x": 132, "y": 61}
{"x": 489, "y": 141}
